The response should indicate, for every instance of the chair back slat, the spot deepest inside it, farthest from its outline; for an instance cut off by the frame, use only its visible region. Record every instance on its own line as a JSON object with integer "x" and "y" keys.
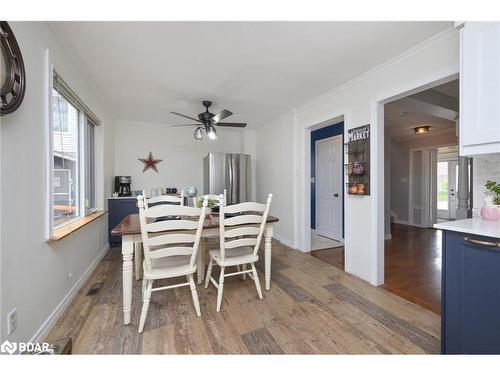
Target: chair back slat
{"x": 165, "y": 210}
{"x": 245, "y": 207}
{"x": 161, "y": 226}
{"x": 170, "y": 251}
{"x": 240, "y": 242}
{"x": 251, "y": 222}
{"x": 166, "y": 199}
{"x": 243, "y": 219}
{"x": 242, "y": 231}
{"x": 167, "y": 238}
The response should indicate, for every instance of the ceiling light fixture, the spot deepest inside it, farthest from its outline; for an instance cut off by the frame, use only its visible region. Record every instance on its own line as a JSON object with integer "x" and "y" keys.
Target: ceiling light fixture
{"x": 198, "y": 133}
{"x": 421, "y": 129}
{"x": 211, "y": 133}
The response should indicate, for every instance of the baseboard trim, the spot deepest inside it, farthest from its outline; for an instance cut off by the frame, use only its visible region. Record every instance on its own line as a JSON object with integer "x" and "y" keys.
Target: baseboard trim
{"x": 284, "y": 241}
{"x": 61, "y": 307}
{"x": 397, "y": 221}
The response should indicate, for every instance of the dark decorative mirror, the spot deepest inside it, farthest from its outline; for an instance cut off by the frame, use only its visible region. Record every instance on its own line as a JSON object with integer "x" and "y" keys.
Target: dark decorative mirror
{"x": 12, "y": 75}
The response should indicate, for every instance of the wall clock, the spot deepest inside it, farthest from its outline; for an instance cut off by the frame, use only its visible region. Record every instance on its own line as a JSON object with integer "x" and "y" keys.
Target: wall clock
{"x": 12, "y": 75}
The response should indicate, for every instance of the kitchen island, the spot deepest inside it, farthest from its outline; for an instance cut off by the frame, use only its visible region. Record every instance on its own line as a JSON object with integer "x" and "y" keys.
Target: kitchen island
{"x": 470, "y": 303}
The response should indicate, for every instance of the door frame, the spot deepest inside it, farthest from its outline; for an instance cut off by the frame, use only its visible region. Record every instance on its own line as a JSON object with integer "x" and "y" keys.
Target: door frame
{"x": 377, "y": 158}
{"x": 303, "y": 226}
{"x": 341, "y": 239}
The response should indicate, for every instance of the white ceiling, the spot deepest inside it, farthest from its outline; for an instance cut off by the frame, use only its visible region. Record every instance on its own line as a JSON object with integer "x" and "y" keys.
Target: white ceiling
{"x": 258, "y": 70}
{"x": 402, "y": 120}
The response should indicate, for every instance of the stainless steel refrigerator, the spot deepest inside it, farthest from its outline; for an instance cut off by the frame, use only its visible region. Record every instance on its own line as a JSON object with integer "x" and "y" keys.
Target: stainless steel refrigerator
{"x": 230, "y": 172}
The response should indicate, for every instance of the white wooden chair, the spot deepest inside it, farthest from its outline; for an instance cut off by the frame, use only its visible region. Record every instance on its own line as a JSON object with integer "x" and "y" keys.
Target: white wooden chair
{"x": 240, "y": 238}
{"x": 168, "y": 199}
{"x": 170, "y": 248}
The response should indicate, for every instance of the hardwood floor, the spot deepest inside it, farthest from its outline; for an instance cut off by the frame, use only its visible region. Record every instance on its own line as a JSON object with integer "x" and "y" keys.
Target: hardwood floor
{"x": 312, "y": 307}
{"x": 412, "y": 264}
{"x": 334, "y": 256}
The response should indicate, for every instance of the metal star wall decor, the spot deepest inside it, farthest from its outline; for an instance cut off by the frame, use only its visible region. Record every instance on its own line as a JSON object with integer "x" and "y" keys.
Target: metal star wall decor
{"x": 150, "y": 163}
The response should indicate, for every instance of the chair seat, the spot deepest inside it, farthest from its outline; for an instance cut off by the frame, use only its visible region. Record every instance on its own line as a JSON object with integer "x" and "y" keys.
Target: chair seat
{"x": 234, "y": 257}
{"x": 172, "y": 266}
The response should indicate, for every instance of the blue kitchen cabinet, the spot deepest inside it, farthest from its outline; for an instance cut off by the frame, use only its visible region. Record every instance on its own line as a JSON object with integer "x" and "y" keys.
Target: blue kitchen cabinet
{"x": 118, "y": 209}
{"x": 470, "y": 317}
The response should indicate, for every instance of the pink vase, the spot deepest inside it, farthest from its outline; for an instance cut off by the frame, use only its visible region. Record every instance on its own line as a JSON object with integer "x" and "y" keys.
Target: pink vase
{"x": 490, "y": 213}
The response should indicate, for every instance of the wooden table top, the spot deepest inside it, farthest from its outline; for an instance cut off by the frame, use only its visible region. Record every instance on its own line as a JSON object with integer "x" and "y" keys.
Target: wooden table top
{"x": 131, "y": 225}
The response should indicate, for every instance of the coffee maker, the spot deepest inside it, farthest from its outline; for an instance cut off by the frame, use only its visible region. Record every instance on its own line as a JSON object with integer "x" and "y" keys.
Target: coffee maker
{"x": 122, "y": 185}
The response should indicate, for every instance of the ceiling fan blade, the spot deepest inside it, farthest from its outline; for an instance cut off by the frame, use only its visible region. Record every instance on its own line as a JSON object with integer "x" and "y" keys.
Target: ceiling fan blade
{"x": 232, "y": 124}
{"x": 222, "y": 115}
{"x": 178, "y": 126}
{"x": 185, "y": 116}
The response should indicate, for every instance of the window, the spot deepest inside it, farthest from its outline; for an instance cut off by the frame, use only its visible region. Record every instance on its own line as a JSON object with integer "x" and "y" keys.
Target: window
{"x": 59, "y": 113}
{"x": 90, "y": 198}
{"x": 73, "y": 154}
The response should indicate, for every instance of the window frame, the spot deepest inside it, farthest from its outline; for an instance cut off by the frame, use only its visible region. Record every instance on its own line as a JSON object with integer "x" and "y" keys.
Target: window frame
{"x": 86, "y": 143}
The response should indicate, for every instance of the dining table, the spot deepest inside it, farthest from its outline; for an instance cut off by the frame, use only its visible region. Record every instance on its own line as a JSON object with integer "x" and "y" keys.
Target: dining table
{"x": 130, "y": 231}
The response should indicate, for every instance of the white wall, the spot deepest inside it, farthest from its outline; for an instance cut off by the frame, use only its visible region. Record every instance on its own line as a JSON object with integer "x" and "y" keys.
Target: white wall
{"x": 36, "y": 276}
{"x": 182, "y": 155}
{"x": 274, "y": 174}
{"x": 287, "y": 154}
{"x": 486, "y": 167}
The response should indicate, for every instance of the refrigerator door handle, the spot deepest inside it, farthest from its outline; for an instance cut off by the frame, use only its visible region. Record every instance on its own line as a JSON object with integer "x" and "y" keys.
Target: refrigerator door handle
{"x": 229, "y": 199}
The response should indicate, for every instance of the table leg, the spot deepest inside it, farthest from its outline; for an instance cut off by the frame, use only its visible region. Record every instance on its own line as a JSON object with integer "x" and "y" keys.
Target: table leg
{"x": 127, "y": 272}
{"x": 138, "y": 259}
{"x": 200, "y": 268}
{"x": 268, "y": 235}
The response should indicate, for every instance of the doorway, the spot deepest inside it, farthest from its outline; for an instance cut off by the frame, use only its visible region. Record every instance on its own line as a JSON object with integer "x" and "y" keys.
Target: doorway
{"x": 447, "y": 181}
{"x": 421, "y": 173}
{"x": 327, "y": 187}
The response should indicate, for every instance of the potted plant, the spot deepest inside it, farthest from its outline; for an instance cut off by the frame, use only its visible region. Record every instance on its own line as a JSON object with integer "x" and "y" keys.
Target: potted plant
{"x": 211, "y": 203}
{"x": 494, "y": 189}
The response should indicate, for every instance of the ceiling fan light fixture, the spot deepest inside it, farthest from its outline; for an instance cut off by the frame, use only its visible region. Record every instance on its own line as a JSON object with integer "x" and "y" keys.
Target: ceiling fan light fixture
{"x": 421, "y": 129}
{"x": 198, "y": 133}
{"x": 211, "y": 133}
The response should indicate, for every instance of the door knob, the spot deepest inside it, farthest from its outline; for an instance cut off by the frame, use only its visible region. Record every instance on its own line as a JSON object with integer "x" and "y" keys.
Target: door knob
{"x": 336, "y": 195}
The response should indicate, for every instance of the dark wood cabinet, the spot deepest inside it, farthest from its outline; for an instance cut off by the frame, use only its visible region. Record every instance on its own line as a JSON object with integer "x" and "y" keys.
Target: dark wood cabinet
{"x": 118, "y": 209}
{"x": 470, "y": 294}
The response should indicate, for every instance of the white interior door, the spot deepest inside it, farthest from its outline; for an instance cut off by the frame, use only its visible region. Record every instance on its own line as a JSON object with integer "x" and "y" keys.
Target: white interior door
{"x": 329, "y": 198}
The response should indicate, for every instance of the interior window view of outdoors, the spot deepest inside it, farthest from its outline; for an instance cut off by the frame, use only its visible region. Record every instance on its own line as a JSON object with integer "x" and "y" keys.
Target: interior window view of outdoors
{"x": 65, "y": 141}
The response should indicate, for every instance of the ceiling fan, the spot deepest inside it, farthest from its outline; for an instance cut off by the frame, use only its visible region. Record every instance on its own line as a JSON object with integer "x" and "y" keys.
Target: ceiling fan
{"x": 207, "y": 121}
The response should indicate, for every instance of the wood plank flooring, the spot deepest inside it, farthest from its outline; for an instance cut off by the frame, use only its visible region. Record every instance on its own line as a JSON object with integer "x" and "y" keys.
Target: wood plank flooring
{"x": 312, "y": 308}
{"x": 412, "y": 264}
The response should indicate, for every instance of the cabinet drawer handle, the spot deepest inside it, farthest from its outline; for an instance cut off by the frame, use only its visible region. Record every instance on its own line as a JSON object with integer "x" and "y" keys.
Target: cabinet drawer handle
{"x": 482, "y": 243}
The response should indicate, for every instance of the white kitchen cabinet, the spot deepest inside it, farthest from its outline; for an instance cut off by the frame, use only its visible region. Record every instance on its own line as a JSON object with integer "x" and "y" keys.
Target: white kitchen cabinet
{"x": 479, "y": 88}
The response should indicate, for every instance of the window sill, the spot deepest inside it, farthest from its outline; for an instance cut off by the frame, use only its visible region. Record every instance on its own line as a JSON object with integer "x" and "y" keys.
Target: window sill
{"x": 66, "y": 230}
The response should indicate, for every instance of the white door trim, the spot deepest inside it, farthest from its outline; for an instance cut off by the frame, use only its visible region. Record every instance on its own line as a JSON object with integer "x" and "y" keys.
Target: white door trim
{"x": 341, "y": 238}
{"x": 305, "y": 186}
{"x": 377, "y": 163}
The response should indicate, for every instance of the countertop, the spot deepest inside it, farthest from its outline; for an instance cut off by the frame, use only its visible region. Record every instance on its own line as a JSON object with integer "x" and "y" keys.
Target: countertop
{"x": 472, "y": 226}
